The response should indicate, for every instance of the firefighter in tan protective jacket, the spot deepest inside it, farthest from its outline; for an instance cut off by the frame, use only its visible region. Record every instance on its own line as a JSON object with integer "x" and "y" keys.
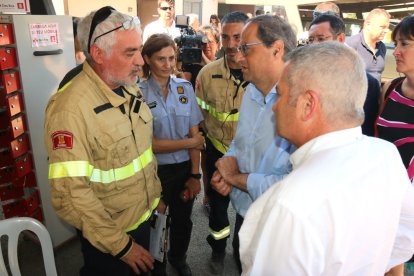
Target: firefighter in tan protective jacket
{"x": 98, "y": 134}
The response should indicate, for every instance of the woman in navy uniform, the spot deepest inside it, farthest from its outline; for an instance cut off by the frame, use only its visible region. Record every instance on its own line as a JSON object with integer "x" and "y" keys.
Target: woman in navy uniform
{"x": 176, "y": 143}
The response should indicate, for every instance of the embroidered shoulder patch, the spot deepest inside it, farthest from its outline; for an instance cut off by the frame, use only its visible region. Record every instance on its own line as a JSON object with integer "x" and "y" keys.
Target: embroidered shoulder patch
{"x": 183, "y": 99}
{"x": 180, "y": 90}
{"x": 62, "y": 140}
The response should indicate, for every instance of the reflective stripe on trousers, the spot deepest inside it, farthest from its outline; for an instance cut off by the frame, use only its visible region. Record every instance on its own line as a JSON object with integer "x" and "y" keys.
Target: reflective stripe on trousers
{"x": 218, "y": 235}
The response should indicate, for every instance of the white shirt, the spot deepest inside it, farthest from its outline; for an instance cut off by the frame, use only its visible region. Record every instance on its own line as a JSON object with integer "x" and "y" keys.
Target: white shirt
{"x": 347, "y": 208}
{"x": 157, "y": 27}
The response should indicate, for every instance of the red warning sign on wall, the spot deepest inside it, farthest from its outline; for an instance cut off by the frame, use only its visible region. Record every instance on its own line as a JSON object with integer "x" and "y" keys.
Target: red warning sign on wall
{"x": 44, "y": 34}
{"x": 14, "y": 6}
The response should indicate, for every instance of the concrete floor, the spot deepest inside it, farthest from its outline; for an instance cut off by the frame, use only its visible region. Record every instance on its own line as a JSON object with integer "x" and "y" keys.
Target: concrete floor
{"x": 69, "y": 257}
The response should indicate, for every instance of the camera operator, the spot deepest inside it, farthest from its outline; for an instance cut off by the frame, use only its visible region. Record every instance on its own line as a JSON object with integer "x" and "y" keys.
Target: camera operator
{"x": 208, "y": 54}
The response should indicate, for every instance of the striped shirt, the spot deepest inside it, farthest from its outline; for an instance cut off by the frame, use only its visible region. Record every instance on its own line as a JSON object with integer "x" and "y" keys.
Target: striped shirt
{"x": 395, "y": 124}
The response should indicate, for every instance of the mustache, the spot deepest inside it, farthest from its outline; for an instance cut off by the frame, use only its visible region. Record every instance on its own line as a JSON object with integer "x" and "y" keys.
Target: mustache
{"x": 233, "y": 49}
{"x": 136, "y": 69}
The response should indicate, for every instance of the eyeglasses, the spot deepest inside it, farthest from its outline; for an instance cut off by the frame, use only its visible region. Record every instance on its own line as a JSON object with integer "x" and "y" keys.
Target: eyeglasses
{"x": 319, "y": 13}
{"x": 167, "y": 8}
{"x": 126, "y": 25}
{"x": 244, "y": 47}
{"x": 317, "y": 39}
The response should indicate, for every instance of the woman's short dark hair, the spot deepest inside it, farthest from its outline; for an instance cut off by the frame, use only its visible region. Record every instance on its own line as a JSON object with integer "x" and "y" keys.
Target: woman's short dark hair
{"x": 155, "y": 43}
{"x": 405, "y": 29}
{"x": 214, "y": 16}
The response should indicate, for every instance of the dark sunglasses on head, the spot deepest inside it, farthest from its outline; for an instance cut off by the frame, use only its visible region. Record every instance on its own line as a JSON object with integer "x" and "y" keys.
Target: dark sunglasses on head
{"x": 99, "y": 16}
{"x": 167, "y": 8}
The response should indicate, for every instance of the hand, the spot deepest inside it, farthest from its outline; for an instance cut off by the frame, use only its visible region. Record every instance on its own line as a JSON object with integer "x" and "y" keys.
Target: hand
{"x": 228, "y": 167}
{"x": 197, "y": 141}
{"x": 194, "y": 186}
{"x": 206, "y": 60}
{"x": 161, "y": 207}
{"x": 221, "y": 186}
{"x": 139, "y": 259}
{"x": 396, "y": 271}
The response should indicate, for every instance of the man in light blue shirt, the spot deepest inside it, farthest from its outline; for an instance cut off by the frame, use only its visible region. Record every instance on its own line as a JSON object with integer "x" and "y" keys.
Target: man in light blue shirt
{"x": 257, "y": 157}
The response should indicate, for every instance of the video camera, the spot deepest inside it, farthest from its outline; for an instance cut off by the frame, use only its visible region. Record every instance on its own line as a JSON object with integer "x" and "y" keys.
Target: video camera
{"x": 189, "y": 42}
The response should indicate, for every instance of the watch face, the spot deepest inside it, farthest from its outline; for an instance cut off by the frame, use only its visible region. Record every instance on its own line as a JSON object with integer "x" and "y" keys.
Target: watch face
{"x": 196, "y": 175}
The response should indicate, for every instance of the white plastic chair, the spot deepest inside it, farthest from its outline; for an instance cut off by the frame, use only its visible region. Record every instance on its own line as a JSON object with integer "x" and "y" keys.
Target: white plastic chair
{"x": 12, "y": 228}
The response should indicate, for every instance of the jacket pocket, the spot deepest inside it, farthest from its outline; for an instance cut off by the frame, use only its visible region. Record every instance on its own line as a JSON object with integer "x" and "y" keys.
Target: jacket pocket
{"x": 119, "y": 142}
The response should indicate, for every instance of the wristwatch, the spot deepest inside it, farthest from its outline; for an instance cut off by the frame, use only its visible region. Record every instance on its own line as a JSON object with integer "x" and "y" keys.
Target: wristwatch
{"x": 195, "y": 175}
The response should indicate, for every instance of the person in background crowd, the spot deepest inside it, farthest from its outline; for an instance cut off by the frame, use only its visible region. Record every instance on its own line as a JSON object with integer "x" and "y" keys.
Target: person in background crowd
{"x": 193, "y": 21}
{"x": 79, "y": 55}
{"x": 94, "y": 149}
{"x": 259, "y": 12}
{"x": 397, "y": 100}
{"x": 331, "y": 28}
{"x": 209, "y": 51}
{"x": 215, "y": 22}
{"x": 220, "y": 88}
{"x": 165, "y": 23}
{"x": 368, "y": 42}
{"x": 249, "y": 15}
{"x": 324, "y": 8}
{"x": 176, "y": 143}
{"x": 257, "y": 157}
{"x": 347, "y": 208}
{"x": 328, "y": 8}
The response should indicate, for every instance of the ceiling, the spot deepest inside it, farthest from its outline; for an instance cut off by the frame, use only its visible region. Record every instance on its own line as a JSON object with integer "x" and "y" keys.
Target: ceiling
{"x": 355, "y": 6}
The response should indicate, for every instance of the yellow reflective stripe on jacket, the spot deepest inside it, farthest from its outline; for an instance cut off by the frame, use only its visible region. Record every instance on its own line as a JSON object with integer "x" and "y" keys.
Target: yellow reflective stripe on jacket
{"x": 70, "y": 169}
{"x": 64, "y": 87}
{"x": 218, "y": 145}
{"x": 145, "y": 216}
{"x": 129, "y": 170}
{"x": 84, "y": 168}
{"x": 221, "y": 116}
{"x": 224, "y": 233}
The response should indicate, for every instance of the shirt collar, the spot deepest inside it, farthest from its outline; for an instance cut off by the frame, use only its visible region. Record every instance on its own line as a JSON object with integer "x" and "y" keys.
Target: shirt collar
{"x": 155, "y": 87}
{"x": 325, "y": 142}
{"x": 361, "y": 34}
{"x": 258, "y": 96}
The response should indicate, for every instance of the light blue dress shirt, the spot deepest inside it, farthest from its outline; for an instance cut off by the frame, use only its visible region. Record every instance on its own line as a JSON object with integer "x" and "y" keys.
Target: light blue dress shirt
{"x": 173, "y": 115}
{"x": 260, "y": 152}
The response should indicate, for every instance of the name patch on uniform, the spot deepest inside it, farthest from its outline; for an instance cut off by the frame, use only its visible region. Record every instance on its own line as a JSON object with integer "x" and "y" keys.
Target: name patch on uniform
{"x": 62, "y": 140}
{"x": 217, "y": 76}
{"x": 183, "y": 99}
{"x": 180, "y": 90}
{"x": 152, "y": 104}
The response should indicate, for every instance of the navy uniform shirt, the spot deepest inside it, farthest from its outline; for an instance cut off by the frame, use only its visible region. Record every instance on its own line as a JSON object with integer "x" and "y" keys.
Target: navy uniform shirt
{"x": 173, "y": 115}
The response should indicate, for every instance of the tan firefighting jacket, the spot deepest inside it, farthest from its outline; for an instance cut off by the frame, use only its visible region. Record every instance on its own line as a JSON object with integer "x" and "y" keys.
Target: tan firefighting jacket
{"x": 219, "y": 96}
{"x": 102, "y": 169}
